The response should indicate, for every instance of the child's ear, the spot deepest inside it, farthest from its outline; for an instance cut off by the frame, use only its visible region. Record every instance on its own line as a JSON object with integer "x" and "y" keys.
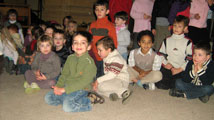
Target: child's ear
{"x": 186, "y": 29}
{"x": 89, "y": 47}
{"x": 208, "y": 57}
{"x": 107, "y": 12}
{"x": 64, "y": 41}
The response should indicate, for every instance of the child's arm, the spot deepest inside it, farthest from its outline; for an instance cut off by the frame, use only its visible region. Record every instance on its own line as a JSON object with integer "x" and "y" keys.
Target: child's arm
{"x": 176, "y": 70}
{"x": 126, "y": 39}
{"x": 113, "y": 34}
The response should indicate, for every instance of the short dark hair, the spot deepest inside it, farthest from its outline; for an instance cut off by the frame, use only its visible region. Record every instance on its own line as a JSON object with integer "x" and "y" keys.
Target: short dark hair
{"x": 13, "y": 27}
{"x": 101, "y": 3}
{"x": 85, "y": 34}
{"x": 181, "y": 18}
{"x": 60, "y": 32}
{"x": 205, "y": 46}
{"x": 12, "y": 11}
{"x": 122, "y": 15}
{"x": 143, "y": 33}
{"x": 37, "y": 32}
{"x": 107, "y": 43}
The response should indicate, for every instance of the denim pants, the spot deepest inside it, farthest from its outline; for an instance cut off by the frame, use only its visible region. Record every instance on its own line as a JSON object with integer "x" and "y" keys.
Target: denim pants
{"x": 192, "y": 91}
{"x": 74, "y": 102}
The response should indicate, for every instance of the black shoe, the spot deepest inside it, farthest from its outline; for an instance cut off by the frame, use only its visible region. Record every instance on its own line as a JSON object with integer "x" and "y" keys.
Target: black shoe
{"x": 204, "y": 99}
{"x": 161, "y": 86}
{"x": 176, "y": 93}
{"x": 146, "y": 86}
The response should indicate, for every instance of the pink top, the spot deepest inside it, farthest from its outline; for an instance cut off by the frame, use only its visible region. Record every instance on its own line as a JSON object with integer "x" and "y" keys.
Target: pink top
{"x": 139, "y": 8}
{"x": 201, "y": 7}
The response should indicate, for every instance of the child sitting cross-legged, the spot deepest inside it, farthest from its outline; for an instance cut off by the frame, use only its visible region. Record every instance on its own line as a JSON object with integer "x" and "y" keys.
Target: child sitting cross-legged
{"x": 45, "y": 67}
{"x": 114, "y": 83}
{"x": 144, "y": 63}
{"x": 198, "y": 76}
{"x": 72, "y": 88}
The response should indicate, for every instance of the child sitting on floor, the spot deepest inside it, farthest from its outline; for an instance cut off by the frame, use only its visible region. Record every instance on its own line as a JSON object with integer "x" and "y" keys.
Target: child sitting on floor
{"x": 144, "y": 62}
{"x": 198, "y": 77}
{"x": 75, "y": 80}
{"x": 45, "y": 67}
{"x": 114, "y": 83}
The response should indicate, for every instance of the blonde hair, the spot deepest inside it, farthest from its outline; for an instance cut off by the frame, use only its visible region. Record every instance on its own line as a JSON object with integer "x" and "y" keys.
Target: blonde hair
{"x": 6, "y": 38}
{"x": 44, "y": 38}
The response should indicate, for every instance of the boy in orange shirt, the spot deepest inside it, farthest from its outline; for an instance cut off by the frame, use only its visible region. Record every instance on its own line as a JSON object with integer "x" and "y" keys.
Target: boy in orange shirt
{"x": 100, "y": 28}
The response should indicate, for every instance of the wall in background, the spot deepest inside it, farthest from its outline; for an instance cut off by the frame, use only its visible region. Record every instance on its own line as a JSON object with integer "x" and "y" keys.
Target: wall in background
{"x": 80, "y": 10}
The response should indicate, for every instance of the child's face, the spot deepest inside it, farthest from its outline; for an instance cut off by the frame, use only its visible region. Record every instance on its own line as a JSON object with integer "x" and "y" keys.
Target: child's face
{"x": 119, "y": 22}
{"x": 43, "y": 26}
{"x": 29, "y": 30}
{"x": 11, "y": 31}
{"x": 12, "y": 17}
{"x": 59, "y": 40}
{"x": 145, "y": 44}
{"x": 102, "y": 52}
{"x": 80, "y": 45}
{"x": 72, "y": 27}
{"x": 101, "y": 11}
{"x": 66, "y": 22}
{"x": 200, "y": 56}
{"x": 179, "y": 28}
{"x": 45, "y": 47}
{"x": 49, "y": 32}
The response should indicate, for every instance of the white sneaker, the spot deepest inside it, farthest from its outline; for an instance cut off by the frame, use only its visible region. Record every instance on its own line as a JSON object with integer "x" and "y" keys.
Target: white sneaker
{"x": 151, "y": 86}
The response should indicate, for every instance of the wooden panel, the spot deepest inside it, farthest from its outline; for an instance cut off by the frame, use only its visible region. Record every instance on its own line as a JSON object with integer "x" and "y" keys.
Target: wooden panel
{"x": 80, "y": 10}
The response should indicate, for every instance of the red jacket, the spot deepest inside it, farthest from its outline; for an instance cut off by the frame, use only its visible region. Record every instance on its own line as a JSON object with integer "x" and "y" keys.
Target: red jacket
{"x": 99, "y": 29}
{"x": 119, "y": 5}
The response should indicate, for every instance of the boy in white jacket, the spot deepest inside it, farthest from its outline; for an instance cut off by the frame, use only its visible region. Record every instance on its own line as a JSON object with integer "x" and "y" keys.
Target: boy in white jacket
{"x": 114, "y": 83}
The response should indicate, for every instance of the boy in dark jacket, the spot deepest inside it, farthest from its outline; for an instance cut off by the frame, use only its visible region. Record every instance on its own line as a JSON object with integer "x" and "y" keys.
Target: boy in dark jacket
{"x": 198, "y": 77}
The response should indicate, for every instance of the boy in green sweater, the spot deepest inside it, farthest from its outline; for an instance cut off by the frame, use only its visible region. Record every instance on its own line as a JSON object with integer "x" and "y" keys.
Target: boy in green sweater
{"x": 75, "y": 80}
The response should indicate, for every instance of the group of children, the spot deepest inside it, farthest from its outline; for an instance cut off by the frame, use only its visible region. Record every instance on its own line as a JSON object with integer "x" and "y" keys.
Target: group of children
{"x": 98, "y": 66}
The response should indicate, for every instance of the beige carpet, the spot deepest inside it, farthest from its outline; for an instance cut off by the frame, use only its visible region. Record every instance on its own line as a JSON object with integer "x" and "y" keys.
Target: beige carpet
{"x": 144, "y": 105}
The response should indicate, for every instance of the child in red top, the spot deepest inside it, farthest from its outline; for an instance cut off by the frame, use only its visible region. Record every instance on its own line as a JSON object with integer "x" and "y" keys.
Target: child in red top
{"x": 100, "y": 28}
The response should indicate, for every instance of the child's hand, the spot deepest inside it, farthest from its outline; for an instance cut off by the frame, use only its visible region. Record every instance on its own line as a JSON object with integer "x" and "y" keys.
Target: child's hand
{"x": 37, "y": 73}
{"x": 58, "y": 91}
{"x": 142, "y": 74}
{"x": 197, "y": 67}
{"x": 153, "y": 31}
{"x": 95, "y": 85}
{"x": 168, "y": 66}
{"x": 197, "y": 16}
{"x": 41, "y": 77}
{"x": 176, "y": 70}
{"x": 134, "y": 80}
{"x": 146, "y": 17}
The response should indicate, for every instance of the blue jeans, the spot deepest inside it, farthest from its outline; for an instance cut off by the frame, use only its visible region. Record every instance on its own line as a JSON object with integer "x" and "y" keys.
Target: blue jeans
{"x": 74, "y": 102}
{"x": 192, "y": 91}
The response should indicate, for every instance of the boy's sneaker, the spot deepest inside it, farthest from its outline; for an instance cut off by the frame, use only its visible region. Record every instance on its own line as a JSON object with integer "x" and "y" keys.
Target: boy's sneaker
{"x": 151, "y": 86}
{"x": 126, "y": 96}
{"x": 26, "y": 85}
{"x": 146, "y": 86}
{"x": 204, "y": 99}
{"x": 113, "y": 97}
{"x": 32, "y": 89}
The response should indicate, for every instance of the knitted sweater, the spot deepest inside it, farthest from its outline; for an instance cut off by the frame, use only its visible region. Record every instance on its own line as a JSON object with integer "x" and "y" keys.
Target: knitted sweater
{"x": 202, "y": 77}
{"x": 78, "y": 73}
{"x": 100, "y": 28}
{"x": 177, "y": 50}
{"x": 49, "y": 64}
{"x": 114, "y": 67}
